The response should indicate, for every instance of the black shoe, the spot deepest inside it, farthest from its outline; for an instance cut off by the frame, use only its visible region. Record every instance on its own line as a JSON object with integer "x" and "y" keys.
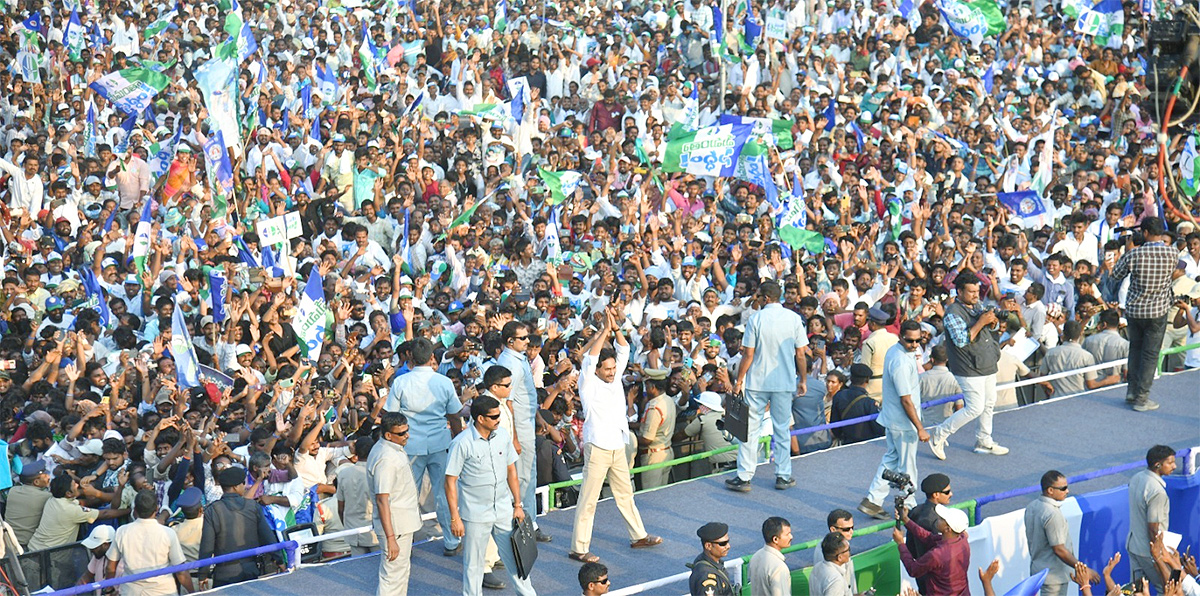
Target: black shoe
{"x": 782, "y": 483}
{"x": 542, "y": 536}
{"x": 450, "y": 552}
{"x": 737, "y": 484}
{"x": 492, "y": 581}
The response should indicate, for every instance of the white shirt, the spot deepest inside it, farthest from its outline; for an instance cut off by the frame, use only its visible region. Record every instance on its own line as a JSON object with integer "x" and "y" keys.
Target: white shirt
{"x": 604, "y": 408}
{"x": 27, "y": 193}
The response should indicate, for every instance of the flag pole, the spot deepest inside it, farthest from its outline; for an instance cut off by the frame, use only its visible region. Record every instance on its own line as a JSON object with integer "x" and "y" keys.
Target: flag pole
{"x": 720, "y": 58}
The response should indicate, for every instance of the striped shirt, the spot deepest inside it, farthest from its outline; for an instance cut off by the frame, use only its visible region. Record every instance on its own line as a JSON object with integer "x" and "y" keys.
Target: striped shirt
{"x": 1149, "y": 268}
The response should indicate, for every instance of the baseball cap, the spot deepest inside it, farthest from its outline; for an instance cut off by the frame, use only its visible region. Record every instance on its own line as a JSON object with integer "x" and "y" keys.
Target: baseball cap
{"x": 54, "y": 302}
{"x": 99, "y": 535}
{"x": 955, "y": 518}
{"x": 92, "y": 447}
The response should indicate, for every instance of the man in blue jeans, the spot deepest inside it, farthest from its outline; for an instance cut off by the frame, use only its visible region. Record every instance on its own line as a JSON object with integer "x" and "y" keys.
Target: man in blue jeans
{"x": 772, "y": 372}
{"x": 900, "y": 417}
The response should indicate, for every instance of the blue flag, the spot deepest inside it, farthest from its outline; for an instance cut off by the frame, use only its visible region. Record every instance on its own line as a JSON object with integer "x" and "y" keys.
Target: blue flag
{"x": 95, "y": 292}
{"x": 161, "y": 161}
{"x": 98, "y": 38}
{"x": 244, "y": 253}
{"x": 1030, "y": 586}
{"x": 109, "y": 222}
{"x": 309, "y": 322}
{"x": 753, "y": 28}
{"x": 127, "y": 126}
{"x": 217, "y": 160}
{"x": 216, "y": 293}
{"x": 34, "y": 22}
{"x": 989, "y": 78}
{"x": 1028, "y": 206}
{"x": 306, "y": 100}
{"x": 830, "y": 115}
{"x": 316, "y": 128}
{"x": 187, "y": 367}
{"x": 858, "y": 136}
{"x": 89, "y": 143}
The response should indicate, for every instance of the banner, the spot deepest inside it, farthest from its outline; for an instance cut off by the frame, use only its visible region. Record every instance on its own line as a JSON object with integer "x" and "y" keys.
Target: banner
{"x": 310, "y": 316}
{"x": 131, "y": 90}
{"x": 973, "y": 20}
{"x": 772, "y": 130}
{"x": 776, "y": 25}
{"x": 711, "y": 151}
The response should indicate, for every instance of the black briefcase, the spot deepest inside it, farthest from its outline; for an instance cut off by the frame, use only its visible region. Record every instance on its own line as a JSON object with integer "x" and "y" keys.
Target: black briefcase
{"x": 737, "y": 416}
{"x": 524, "y": 546}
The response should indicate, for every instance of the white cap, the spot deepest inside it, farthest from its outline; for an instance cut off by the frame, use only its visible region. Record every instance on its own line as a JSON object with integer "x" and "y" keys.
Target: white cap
{"x": 99, "y": 535}
{"x": 711, "y": 401}
{"x": 955, "y": 518}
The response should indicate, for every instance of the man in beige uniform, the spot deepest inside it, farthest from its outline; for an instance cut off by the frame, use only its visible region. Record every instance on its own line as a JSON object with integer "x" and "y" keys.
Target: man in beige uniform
{"x": 146, "y": 545}
{"x": 397, "y": 515}
{"x": 875, "y": 348}
{"x": 658, "y": 426}
{"x": 356, "y": 504}
{"x": 27, "y": 500}
{"x": 63, "y": 515}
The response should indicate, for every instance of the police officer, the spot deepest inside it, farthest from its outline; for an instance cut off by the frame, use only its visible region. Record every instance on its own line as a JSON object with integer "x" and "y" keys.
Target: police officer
{"x": 708, "y": 570}
{"x": 658, "y": 426}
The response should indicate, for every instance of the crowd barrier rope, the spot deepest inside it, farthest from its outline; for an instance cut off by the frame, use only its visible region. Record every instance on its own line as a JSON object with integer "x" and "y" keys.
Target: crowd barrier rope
{"x": 289, "y": 546}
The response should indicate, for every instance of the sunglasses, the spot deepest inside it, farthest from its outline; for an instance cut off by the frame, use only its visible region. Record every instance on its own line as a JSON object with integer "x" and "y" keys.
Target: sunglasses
{"x": 1060, "y": 488}
{"x": 508, "y": 384}
{"x": 909, "y": 340}
{"x": 603, "y": 580}
{"x": 840, "y": 529}
{"x": 399, "y": 433}
{"x": 721, "y": 543}
{"x": 491, "y": 416}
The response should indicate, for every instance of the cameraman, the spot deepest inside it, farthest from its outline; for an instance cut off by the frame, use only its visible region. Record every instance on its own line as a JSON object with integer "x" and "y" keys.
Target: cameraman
{"x": 937, "y": 492}
{"x": 974, "y": 354}
{"x": 900, "y": 417}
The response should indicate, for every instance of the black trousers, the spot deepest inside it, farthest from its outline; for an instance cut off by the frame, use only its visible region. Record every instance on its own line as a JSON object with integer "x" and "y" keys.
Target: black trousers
{"x": 1145, "y": 342}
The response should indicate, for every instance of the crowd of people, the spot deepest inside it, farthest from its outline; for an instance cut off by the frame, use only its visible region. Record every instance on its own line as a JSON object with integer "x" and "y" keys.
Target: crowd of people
{"x": 256, "y": 254}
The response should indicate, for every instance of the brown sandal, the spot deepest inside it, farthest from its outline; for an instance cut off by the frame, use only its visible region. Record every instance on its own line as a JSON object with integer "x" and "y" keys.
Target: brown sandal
{"x": 648, "y": 541}
{"x": 584, "y": 557}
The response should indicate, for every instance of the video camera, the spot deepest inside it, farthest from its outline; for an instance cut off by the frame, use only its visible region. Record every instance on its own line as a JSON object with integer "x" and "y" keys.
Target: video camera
{"x": 900, "y": 482}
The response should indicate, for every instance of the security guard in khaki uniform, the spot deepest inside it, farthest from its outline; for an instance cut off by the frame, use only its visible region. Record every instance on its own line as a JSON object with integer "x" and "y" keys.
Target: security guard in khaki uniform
{"x": 657, "y": 428}
{"x": 708, "y": 570}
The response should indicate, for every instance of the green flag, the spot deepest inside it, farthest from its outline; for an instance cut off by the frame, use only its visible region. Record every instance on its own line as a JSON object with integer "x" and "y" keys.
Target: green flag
{"x": 562, "y": 185}
{"x": 801, "y": 239}
{"x": 160, "y": 25}
{"x": 463, "y": 218}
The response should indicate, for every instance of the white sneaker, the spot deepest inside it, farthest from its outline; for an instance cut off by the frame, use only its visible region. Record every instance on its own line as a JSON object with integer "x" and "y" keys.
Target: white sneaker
{"x": 938, "y": 446}
{"x": 994, "y": 449}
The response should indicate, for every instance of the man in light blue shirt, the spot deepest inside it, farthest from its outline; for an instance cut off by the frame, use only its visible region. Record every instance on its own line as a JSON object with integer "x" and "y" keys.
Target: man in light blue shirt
{"x": 900, "y": 416}
{"x": 482, "y": 488}
{"x": 772, "y": 371}
{"x": 429, "y": 401}
{"x": 523, "y": 398}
